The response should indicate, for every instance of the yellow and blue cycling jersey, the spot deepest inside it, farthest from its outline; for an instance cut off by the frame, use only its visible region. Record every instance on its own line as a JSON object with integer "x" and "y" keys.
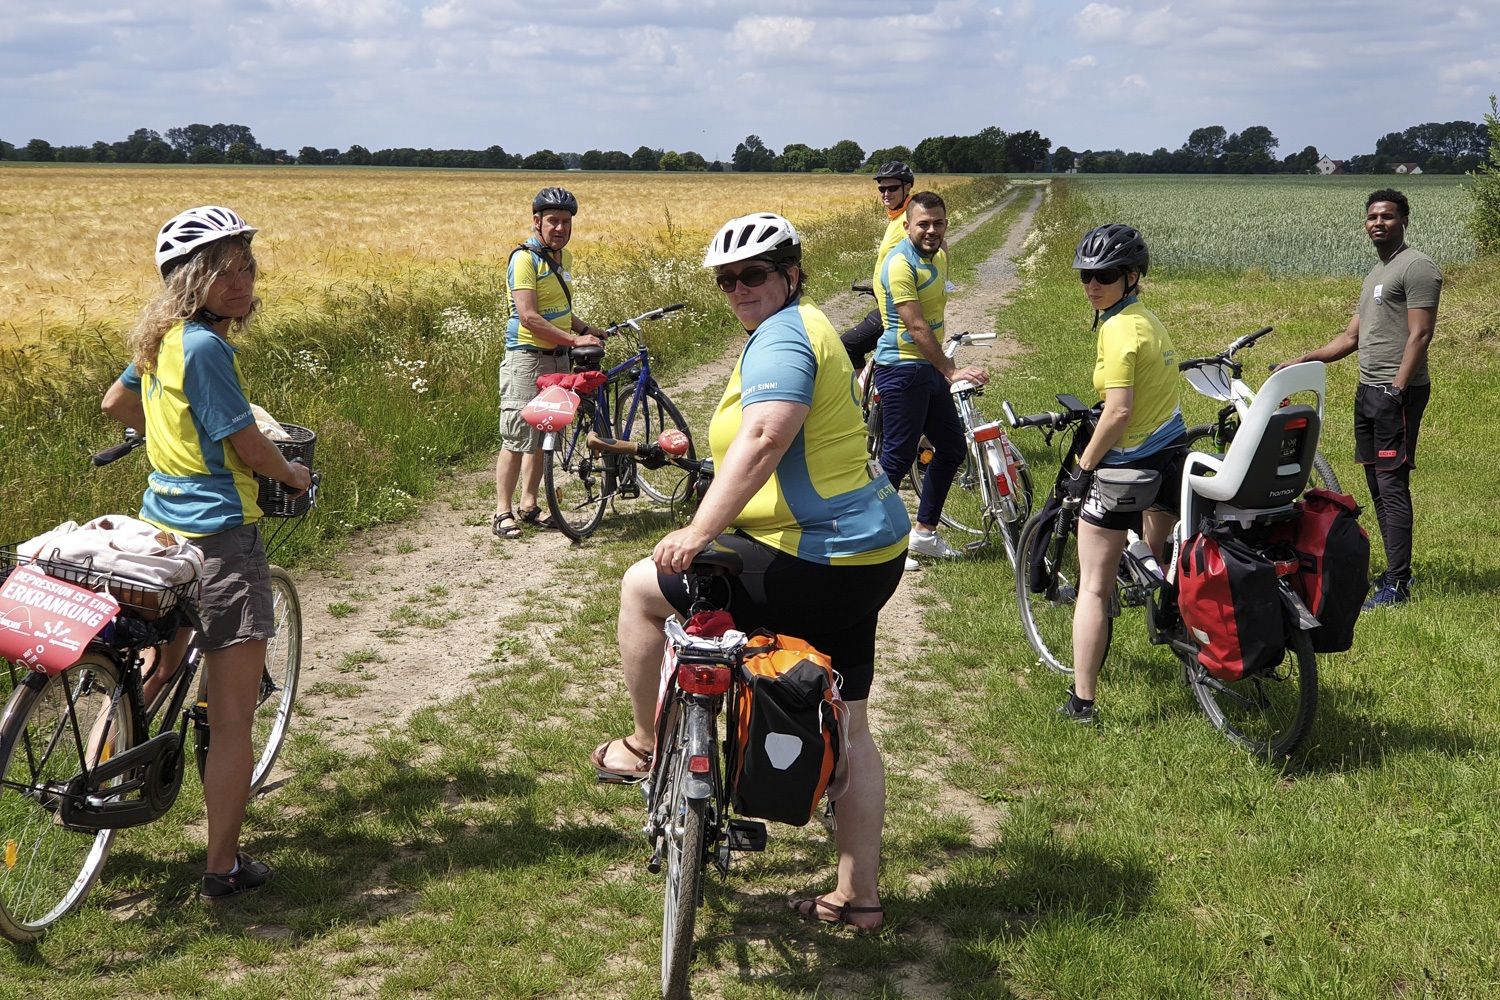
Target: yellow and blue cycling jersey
{"x": 905, "y": 275}
{"x": 895, "y": 232}
{"x": 194, "y": 400}
{"x": 1135, "y": 352}
{"x": 532, "y": 270}
{"x": 820, "y": 503}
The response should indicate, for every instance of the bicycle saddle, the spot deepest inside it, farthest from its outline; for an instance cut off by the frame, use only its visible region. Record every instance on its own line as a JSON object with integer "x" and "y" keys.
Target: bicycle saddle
{"x": 716, "y": 560}
{"x": 587, "y": 356}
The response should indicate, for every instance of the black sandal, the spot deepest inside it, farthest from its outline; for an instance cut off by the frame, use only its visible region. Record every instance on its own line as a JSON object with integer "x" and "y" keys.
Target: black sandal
{"x": 529, "y": 515}
{"x": 500, "y": 529}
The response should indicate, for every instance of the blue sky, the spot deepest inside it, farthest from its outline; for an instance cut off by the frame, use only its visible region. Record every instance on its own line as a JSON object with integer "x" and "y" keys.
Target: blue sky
{"x": 702, "y": 74}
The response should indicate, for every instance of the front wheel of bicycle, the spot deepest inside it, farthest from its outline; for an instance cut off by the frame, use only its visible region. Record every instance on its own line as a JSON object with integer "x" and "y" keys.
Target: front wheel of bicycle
{"x": 1324, "y": 475}
{"x": 683, "y": 834}
{"x": 1269, "y": 713}
{"x": 655, "y": 414}
{"x": 574, "y": 478}
{"x": 1047, "y": 590}
{"x": 46, "y": 869}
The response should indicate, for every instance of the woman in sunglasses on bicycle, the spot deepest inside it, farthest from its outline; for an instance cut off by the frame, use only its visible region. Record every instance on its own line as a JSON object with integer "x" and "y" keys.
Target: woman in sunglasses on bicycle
{"x": 823, "y": 544}
{"x": 1140, "y": 429}
{"x": 183, "y": 387}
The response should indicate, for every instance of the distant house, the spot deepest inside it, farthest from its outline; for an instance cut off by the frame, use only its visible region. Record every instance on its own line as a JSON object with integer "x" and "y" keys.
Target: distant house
{"x": 1326, "y": 166}
{"x": 1406, "y": 168}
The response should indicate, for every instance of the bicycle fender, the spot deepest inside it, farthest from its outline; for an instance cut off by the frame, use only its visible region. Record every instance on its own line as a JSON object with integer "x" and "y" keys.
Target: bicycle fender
{"x": 699, "y": 743}
{"x": 549, "y": 441}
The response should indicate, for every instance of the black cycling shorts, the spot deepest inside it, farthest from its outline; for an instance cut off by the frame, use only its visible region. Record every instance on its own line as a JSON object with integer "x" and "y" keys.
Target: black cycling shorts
{"x": 1168, "y": 462}
{"x": 834, "y": 608}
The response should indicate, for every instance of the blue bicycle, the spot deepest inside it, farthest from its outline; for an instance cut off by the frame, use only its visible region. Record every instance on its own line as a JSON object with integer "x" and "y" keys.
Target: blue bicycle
{"x": 579, "y": 480}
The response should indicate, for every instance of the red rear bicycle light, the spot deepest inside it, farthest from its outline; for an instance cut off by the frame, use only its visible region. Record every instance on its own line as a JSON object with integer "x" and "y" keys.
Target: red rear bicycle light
{"x": 698, "y": 764}
{"x": 1286, "y": 567}
{"x": 987, "y": 432}
{"x": 1296, "y": 424}
{"x": 703, "y": 678}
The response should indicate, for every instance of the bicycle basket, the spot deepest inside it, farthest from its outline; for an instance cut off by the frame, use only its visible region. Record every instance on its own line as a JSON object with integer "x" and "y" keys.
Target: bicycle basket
{"x": 140, "y": 598}
{"x": 275, "y": 499}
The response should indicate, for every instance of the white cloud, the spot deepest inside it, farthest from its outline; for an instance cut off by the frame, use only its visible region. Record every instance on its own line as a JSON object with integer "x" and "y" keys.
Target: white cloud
{"x": 357, "y": 14}
{"x": 1101, "y": 22}
{"x": 1133, "y": 81}
{"x": 1082, "y": 62}
{"x": 771, "y": 34}
{"x": 1473, "y": 71}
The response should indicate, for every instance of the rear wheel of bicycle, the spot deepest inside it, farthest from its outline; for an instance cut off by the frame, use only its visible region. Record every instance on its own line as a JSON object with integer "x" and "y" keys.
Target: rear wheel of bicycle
{"x": 1047, "y": 612}
{"x": 46, "y": 870}
{"x": 656, "y": 413}
{"x": 684, "y": 861}
{"x": 574, "y": 478}
{"x": 963, "y": 509}
{"x": 1323, "y": 474}
{"x": 1010, "y": 530}
{"x": 1268, "y": 714}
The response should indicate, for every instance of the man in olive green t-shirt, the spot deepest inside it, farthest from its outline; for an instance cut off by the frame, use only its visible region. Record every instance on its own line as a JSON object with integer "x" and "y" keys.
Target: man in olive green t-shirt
{"x": 1391, "y": 330}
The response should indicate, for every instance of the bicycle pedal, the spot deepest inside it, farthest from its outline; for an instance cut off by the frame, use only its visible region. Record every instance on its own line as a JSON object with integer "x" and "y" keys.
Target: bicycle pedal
{"x": 747, "y": 835}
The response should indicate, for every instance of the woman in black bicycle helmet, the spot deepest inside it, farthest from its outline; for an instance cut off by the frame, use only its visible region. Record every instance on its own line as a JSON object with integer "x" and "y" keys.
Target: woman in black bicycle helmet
{"x": 183, "y": 388}
{"x": 1140, "y": 428}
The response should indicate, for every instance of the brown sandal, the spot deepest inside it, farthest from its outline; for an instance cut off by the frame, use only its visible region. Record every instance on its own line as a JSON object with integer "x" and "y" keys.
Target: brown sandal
{"x": 611, "y": 776}
{"x": 808, "y": 908}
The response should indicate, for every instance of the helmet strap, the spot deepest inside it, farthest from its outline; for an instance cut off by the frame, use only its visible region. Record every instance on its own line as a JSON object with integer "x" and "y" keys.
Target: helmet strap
{"x": 208, "y": 316}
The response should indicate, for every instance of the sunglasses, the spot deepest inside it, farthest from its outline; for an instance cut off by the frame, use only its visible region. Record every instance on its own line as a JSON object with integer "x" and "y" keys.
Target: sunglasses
{"x": 750, "y": 277}
{"x": 889, "y": 188}
{"x": 1105, "y": 276}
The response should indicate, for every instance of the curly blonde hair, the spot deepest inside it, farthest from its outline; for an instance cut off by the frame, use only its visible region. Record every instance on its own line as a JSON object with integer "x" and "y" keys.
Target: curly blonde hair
{"x": 182, "y": 297}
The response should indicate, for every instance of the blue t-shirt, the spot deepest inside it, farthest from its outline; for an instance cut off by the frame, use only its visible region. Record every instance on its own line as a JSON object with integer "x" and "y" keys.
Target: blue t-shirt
{"x": 194, "y": 400}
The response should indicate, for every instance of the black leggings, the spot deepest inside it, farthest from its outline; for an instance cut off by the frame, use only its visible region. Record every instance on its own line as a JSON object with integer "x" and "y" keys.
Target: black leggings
{"x": 861, "y": 338}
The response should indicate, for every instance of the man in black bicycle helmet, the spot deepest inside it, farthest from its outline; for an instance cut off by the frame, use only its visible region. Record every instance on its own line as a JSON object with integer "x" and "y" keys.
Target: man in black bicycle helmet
{"x": 893, "y": 181}
{"x": 542, "y": 329}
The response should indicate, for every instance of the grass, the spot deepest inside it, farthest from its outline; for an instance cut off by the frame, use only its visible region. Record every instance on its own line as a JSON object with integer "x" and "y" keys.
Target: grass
{"x": 469, "y": 853}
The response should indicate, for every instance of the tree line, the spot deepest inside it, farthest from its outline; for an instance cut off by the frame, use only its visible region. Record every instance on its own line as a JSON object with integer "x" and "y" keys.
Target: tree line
{"x": 1436, "y": 147}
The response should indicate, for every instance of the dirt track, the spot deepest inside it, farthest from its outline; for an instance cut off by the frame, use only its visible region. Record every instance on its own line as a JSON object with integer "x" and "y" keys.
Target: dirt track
{"x": 418, "y": 606}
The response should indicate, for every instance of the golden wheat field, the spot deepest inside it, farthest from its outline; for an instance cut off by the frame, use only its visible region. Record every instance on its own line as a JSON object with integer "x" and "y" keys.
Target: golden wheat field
{"x": 76, "y": 241}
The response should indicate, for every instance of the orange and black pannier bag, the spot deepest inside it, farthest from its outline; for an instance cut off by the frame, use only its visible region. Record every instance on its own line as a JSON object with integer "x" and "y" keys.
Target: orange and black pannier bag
{"x": 788, "y": 731}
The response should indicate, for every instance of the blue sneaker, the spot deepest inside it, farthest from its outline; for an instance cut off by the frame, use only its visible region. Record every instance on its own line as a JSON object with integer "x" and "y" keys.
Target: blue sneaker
{"x": 1389, "y": 594}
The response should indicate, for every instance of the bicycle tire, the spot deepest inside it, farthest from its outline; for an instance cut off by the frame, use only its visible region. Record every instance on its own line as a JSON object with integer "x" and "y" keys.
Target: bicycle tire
{"x": 1047, "y": 617}
{"x": 46, "y": 870}
{"x": 1010, "y": 531}
{"x": 963, "y": 508}
{"x": 657, "y": 413}
{"x": 1324, "y": 474}
{"x": 574, "y": 478}
{"x": 683, "y": 833}
{"x": 1268, "y": 714}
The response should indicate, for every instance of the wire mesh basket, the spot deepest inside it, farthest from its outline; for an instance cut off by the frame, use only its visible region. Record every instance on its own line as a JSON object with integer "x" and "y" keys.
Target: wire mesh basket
{"x": 141, "y": 598}
{"x": 275, "y": 499}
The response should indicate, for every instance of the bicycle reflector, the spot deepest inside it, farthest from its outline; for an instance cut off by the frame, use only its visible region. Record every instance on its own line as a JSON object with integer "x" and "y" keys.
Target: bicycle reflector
{"x": 698, "y": 764}
{"x": 673, "y": 442}
{"x": 987, "y": 432}
{"x": 703, "y": 678}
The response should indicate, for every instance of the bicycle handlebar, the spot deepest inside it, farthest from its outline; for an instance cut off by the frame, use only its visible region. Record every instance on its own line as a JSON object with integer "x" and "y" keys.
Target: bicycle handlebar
{"x": 634, "y": 321}
{"x": 1227, "y": 355}
{"x": 114, "y": 453}
{"x": 648, "y": 453}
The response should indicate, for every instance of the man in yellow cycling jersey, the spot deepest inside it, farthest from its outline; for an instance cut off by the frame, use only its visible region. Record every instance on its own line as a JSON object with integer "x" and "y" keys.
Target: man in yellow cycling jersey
{"x": 894, "y": 181}
{"x": 911, "y": 370}
{"x": 541, "y": 331}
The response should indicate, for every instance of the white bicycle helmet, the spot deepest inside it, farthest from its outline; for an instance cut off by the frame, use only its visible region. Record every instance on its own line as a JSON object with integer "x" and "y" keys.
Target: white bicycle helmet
{"x": 763, "y": 235}
{"x": 197, "y": 227}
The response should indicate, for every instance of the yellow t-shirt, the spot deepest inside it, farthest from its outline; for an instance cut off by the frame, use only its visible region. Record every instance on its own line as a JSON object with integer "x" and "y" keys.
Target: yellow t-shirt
{"x": 532, "y": 270}
{"x": 820, "y": 503}
{"x": 1135, "y": 352}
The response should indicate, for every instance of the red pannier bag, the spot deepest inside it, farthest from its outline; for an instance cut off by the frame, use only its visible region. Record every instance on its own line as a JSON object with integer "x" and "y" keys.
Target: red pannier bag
{"x": 1334, "y": 573}
{"x": 1229, "y": 601}
{"x": 789, "y": 741}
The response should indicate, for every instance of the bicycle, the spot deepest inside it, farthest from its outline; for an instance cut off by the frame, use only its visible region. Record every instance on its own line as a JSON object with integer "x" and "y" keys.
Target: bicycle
{"x": 1256, "y": 482}
{"x": 993, "y": 486}
{"x": 82, "y": 752}
{"x": 686, "y": 792}
{"x": 630, "y": 406}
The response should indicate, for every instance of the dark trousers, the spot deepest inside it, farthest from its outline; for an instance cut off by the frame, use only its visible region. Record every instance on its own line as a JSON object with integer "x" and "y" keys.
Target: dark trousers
{"x": 1385, "y": 443}
{"x": 860, "y": 339}
{"x": 914, "y": 402}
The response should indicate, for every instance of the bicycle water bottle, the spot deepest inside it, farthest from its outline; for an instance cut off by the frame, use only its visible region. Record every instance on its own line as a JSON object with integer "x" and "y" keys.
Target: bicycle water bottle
{"x": 1144, "y": 557}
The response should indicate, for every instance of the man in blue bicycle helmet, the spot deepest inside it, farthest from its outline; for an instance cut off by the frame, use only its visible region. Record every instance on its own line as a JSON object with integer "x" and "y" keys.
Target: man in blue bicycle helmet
{"x": 541, "y": 331}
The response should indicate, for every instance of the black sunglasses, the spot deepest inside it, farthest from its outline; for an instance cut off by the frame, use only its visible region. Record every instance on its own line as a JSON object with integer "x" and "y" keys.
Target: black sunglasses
{"x": 750, "y": 277}
{"x": 889, "y": 188}
{"x": 1105, "y": 276}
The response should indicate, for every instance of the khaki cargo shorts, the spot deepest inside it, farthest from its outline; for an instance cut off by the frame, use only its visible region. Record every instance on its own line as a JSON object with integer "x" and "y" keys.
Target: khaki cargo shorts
{"x": 519, "y": 371}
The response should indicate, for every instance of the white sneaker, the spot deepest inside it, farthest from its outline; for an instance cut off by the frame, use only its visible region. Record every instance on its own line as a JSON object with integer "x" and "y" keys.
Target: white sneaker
{"x": 912, "y": 565}
{"x": 931, "y": 544}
